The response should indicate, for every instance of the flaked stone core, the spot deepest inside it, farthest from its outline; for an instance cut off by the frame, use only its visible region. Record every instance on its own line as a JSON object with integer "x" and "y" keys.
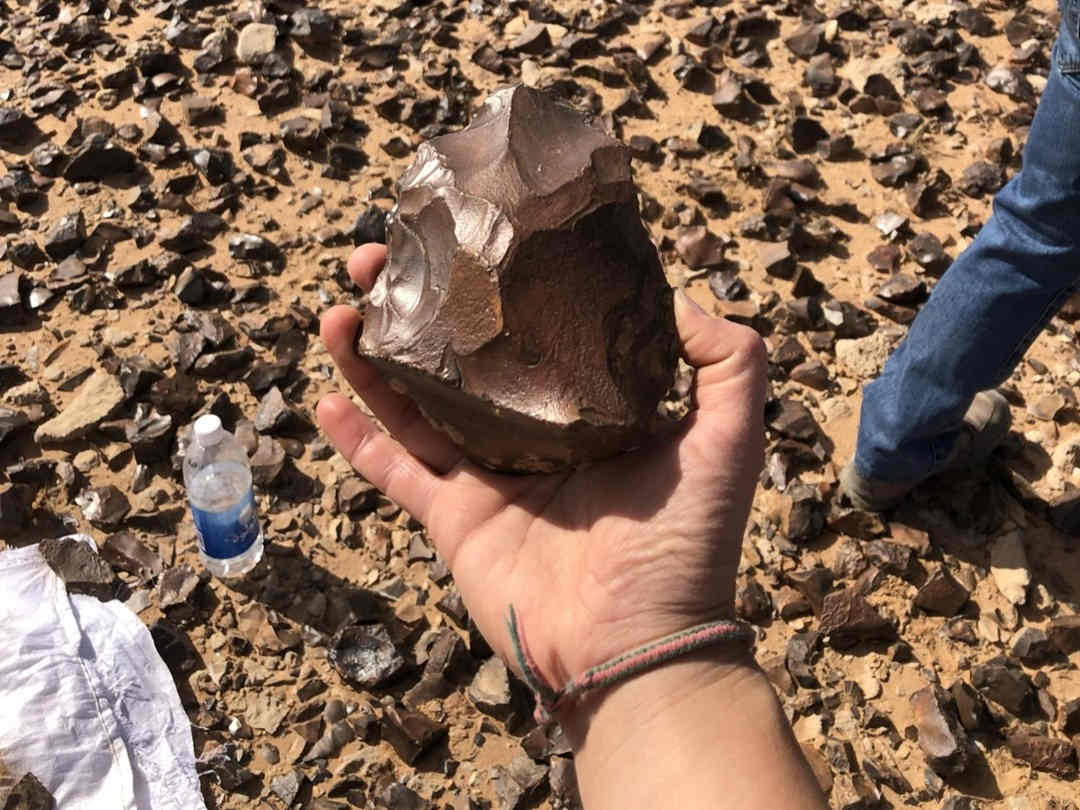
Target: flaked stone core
{"x": 523, "y": 306}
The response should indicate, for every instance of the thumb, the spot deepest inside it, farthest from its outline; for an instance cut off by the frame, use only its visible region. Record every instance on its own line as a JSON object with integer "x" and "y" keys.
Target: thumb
{"x": 716, "y": 347}
{"x": 730, "y": 382}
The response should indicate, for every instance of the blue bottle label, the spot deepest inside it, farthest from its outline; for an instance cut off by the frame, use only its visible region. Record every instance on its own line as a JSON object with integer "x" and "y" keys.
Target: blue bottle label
{"x": 229, "y": 533}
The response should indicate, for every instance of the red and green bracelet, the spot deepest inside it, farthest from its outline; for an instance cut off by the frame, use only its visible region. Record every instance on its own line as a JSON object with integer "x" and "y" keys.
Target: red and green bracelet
{"x": 621, "y": 667}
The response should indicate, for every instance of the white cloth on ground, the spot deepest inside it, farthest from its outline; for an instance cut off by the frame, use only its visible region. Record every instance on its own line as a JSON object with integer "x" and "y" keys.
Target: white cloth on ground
{"x": 86, "y": 703}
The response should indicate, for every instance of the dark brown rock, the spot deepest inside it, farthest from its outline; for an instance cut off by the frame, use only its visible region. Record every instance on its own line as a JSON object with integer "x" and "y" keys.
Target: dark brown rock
{"x": 199, "y": 110}
{"x": 15, "y": 503}
{"x": 125, "y": 551}
{"x": 893, "y": 170}
{"x": 821, "y": 76}
{"x": 1005, "y": 683}
{"x": 563, "y": 781}
{"x": 777, "y": 259}
{"x": 885, "y": 258}
{"x": 813, "y": 583}
{"x": 97, "y": 159}
{"x": 806, "y": 40}
{"x": 788, "y": 354}
{"x": 149, "y": 433}
{"x": 16, "y": 129}
{"x": 903, "y": 289}
{"x": 105, "y": 507}
{"x": 892, "y": 558}
{"x": 700, "y": 248}
{"x": 792, "y": 605}
{"x": 1064, "y": 633}
{"x": 970, "y": 707}
{"x": 941, "y": 737}
{"x": 1069, "y": 716}
{"x": 981, "y": 178}
{"x": 26, "y": 794}
{"x": 11, "y": 421}
{"x": 79, "y": 565}
{"x": 800, "y": 655}
{"x": 926, "y": 250}
{"x": 942, "y": 594}
{"x": 811, "y": 374}
{"x": 66, "y": 236}
{"x": 176, "y": 585}
{"x": 519, "y": 386}
{"x": 1044, "y": 753}
{"x": 727, "y": 286}
{"x": 410, "y": 732}
{"x": 791, "y": 419}
{"x": 848, "y": 619}
{"x": 806, "y": 134}
{"x": 753, "y": 603}
{"x": 804, "y": 515}
{"x": 222, "y": 763}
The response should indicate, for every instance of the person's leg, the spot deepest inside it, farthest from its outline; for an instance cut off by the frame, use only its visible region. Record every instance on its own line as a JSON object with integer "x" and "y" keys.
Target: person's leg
{"x": 994, "y": 300}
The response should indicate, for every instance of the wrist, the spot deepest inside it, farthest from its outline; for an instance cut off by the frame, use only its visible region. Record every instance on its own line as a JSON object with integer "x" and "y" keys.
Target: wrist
{"x": 608, "y": 717}
{"x": 703, "y": 727}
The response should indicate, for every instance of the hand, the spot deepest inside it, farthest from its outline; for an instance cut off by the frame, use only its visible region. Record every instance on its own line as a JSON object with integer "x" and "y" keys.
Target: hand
{"x": 595, "y": 561}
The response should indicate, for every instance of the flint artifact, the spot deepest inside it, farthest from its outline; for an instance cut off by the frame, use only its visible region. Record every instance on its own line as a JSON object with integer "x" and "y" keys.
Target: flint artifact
{"x": 523, "y": 306}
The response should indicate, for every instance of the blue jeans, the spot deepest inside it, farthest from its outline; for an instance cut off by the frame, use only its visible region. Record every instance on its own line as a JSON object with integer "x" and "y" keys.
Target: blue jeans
{"x": 994, "y": 299}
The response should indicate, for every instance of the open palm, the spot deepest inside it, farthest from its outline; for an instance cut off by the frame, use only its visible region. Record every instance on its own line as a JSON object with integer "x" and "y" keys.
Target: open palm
{"x": 595, "y": 561}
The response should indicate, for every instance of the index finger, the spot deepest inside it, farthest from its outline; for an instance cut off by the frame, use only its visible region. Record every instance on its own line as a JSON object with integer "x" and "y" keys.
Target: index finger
{"x": 365, "y": 264}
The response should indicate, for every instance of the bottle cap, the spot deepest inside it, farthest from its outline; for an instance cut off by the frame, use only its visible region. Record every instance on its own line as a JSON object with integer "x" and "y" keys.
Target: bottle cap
{"x": 208, "y": 430}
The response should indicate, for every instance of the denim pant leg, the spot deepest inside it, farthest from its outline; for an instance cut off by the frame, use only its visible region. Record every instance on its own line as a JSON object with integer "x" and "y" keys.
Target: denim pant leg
{"x": 995, "y": 298}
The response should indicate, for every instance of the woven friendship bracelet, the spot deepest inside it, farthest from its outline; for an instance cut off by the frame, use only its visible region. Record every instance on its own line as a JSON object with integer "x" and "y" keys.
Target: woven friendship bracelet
{"x": 622, "y": 667}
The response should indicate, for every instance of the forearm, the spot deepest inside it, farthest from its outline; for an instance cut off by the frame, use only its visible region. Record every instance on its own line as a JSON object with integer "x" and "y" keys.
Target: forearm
{"x": 704, "y": 731}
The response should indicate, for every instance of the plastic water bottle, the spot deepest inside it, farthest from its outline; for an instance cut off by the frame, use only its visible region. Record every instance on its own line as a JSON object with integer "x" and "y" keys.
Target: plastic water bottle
{"x": 218, "y": 480}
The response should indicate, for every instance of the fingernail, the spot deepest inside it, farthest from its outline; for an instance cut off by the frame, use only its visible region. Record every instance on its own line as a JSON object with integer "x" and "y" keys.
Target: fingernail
{"x": 686, "y": 304}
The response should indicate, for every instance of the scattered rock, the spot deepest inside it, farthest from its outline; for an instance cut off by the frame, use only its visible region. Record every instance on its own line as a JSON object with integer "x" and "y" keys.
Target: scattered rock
{"x": 863, "y": 358}
{"x": 26, "y": 794}
{"x": 105, "y": 507}
{"x": 804, "y": 517}
{"x": 942, "y": 594}
{"x": 1030, "y": 645}
{"x": 1044, "y": 753}
{"x": 848, "y": 619}
{"x": 1046, "y": 406}
{"x": 125, "y": 551}
{"x": 700, "y": 248}
{"x": 256, "y": 43}
{"x": 1009, "y": 80}
{"x": 981, "y": 178}
{"x": 77, "y": 563}
{"x": 941, "y": 736}
{"x": 1005, "y": 683}
{"x": 1064, "y": 634}
{"x": 98, "y": 159}
{"x": 490, "y": 689}
{"x": 410, "y": 732}
{"x": 753, "y": 603}
{"x": 95, "y": 401}
{"x": 176, "y": 585}
{"x": 364, "y": 655}
{"x": 66, "y": 236}
{"x": 791, "y": 419}
{"x": 286, "y": 786}
{"x": 1009, "y": 566}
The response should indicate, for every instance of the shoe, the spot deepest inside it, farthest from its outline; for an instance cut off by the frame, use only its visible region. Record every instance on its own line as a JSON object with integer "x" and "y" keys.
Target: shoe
{"x": 986, "y": 424}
